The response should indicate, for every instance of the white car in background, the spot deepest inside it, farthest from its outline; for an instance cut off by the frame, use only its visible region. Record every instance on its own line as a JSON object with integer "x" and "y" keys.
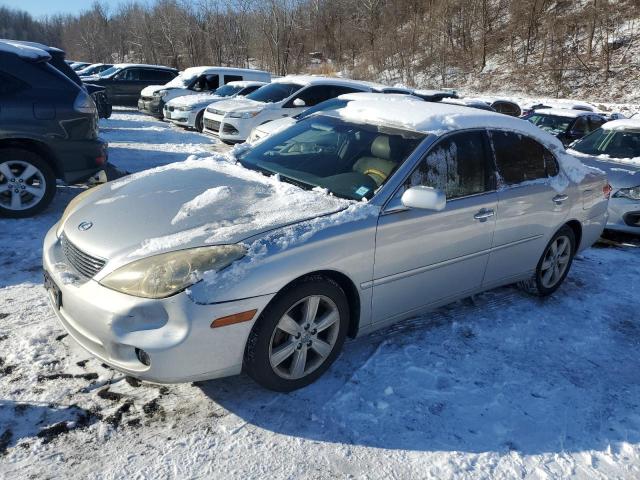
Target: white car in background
{"x": 263, "y": 131}
{"x": 193, "y": 81}
{"x": 234, "y": 119}
{"x": 188, "y": 110}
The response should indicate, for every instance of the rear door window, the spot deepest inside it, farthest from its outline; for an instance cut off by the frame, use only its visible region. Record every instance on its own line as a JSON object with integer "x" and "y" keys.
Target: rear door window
{"x": 232, "y": 78}
{"x": 520, "y": 158}
{"x": 10, "y": 85}
{"x": 457, "y": 165}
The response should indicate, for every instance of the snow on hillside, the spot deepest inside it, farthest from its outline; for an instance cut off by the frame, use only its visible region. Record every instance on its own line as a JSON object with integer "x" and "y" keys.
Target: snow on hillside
{"x": 502, "y": 385}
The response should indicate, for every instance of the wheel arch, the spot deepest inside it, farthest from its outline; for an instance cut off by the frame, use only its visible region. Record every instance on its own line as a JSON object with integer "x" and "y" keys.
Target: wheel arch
{"x": 37, "y": 147}
{"x": 576, "y": 227}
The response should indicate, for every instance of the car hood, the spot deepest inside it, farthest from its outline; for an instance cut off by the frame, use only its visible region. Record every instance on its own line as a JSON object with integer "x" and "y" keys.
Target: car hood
{"x": 620, "y": 173}
{"x": 197, "y": 100}
{"x": 151, "y": 89}
{"x": 240, "y": 105}
{"x": 198, "y": 202}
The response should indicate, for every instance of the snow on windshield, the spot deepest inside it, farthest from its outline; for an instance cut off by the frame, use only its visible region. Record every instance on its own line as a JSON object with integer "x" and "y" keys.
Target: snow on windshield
{"x": 181, "y": 81}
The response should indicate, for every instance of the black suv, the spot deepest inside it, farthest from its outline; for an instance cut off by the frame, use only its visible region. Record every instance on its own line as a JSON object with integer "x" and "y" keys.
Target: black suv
{"x": 124, "y": 82}
{"x": 48, "y": 130}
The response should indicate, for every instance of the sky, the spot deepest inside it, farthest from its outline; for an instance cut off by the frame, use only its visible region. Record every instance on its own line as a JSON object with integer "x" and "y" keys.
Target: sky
{"x": 39, "y": 8}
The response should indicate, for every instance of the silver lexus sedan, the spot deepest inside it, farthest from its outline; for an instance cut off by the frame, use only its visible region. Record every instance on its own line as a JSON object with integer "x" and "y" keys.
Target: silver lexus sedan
{"x": 344, "y": 223}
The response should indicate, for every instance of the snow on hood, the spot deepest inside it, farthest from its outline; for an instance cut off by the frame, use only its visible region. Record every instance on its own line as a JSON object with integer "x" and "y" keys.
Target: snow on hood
{"x": 203, "y": 99}
{"x": 440, "y": 118}
{"x": 240, "y": 104}
{"x": 201, "y": 201}
{"x": 151, "y": 89}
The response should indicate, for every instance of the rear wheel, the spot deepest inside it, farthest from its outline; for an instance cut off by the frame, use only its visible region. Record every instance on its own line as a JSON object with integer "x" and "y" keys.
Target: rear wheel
{"x": 298, "y": 336}
{"x": 554, "y": 264}
{"x": 200, "y": 122}
{"x": 27, "y": 183}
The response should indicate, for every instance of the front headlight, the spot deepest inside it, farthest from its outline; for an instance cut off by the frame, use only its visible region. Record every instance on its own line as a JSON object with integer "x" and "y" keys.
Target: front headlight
{"x": 186, "y": 108}
{"x": 166, "y": 274}
{"x": 632, "y": 193}
{"x": 242, "y": 114}
{"x": 160, "y": 93}
{"x": 73, "y": 204}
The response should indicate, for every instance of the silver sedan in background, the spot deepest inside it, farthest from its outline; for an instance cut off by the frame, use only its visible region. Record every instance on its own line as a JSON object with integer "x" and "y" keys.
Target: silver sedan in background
{"x": 344, "y": 223}
{"x": 615, "y": 149}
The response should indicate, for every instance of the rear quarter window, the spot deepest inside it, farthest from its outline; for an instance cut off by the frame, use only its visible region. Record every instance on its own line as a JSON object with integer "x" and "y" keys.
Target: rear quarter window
{"x": 520, "y": 158}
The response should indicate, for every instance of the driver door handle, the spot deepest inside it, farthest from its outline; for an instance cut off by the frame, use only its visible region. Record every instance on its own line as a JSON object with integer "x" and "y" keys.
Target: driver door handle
{"x": 483, "y": 214}
{"x": 558, "y": 199}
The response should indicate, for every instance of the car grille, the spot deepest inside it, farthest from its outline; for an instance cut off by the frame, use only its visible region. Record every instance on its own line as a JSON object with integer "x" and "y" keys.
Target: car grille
{"x": 217, "y": 112}
{"x": 146, "y": 99}
{"x": 87, "y": 265}
{"x": 211, "y": 125}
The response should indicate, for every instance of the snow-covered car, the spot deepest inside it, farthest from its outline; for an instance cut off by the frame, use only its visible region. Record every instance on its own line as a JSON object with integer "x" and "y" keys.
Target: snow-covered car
{"x": 469, "y": 102}
{"x": 93, "y": 69}
{"x": 188, "y": 110}
{"x": 568, "y": 125}
{"x": 615, "y": 148}
{"x": 562, "y": 103}
{"x": 194, "y": 81}
{"x": 233, "y": 120}
{"x": 346, "y": 222}
{"x": 269, "y": 128}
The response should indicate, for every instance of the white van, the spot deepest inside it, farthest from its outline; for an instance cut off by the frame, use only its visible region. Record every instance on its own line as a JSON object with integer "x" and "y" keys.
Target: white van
{"x": 233, "y": 120}
{"x": 193, "y": 81}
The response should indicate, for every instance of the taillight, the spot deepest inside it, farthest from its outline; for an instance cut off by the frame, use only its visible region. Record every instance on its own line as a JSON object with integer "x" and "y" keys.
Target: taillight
{"x": 606, "y": 190}
{"x": 84, "y": 103}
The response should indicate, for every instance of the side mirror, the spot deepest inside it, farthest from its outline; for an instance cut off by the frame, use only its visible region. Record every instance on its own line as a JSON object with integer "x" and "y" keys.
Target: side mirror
{"x": 426, "y": 198}
{"x": 298, "y": 102}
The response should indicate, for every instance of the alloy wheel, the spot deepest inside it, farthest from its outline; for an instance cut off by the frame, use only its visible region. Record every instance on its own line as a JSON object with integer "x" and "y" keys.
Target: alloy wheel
{"x": 22, "y": 185}
{"x": 555, "y": 262}
{"x": 304, "y": 337}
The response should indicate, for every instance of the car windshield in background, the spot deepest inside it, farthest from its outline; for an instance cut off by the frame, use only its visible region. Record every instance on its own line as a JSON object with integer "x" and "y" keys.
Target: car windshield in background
{"x": 351, "y": 160}
{"x": 550, "y": 123}
{"x": 181, "y": 81}
{"x": 274, "y": 92}
{"x": 109, "y": 71}
{"x": 614, "y": 143}
{"x": 227, "y": 90}
{"x": 331, "y": 104}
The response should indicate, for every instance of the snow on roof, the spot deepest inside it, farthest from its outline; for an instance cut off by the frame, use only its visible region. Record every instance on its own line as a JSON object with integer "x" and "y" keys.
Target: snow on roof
{"x": 314, "y": 80}
{"x": 127, "y": 65}
{"x": 377, "y": 96}
{"x": 563, "y": 112}
{"x": 439, "y": 118}
{"x": 246, "y": 83}
{"x": 24, "y": 51}
{"x": 192, "y": 71}
{"x": 623, "y": 124}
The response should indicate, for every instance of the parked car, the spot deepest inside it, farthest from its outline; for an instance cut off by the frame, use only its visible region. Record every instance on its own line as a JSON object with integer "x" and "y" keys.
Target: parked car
{"x": 469, "y": 102}
{"x": 193, "y": 81}
{"x": 48, "y": 131}
{"x": 94, "y": 69}
{"x": 557, "y": 103}
{"x": 79, "y": 65}
{"x": 233, "y": 120}
{"x": 434, "y": 95}
{"x": 124, "y": 81}
{"x": 568, "y": 125}
{"x": 269, "y": 262}
{"x": 615, "y": 148}
{"x": 188, "y": 110}
{"x": 264, "y": 130}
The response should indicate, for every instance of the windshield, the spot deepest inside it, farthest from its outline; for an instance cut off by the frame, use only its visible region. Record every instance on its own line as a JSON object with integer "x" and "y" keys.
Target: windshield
{"x": 109, "y": 71}
{"x": 274, "y": 92}
{"x": 227, "y": 90}
{"x": 331, "y": 104}
{"x": 350, "y": 160}
{"x": 181, "y": 81}
{"x": 614, "y": 143}
{"x": 550, "y": 123}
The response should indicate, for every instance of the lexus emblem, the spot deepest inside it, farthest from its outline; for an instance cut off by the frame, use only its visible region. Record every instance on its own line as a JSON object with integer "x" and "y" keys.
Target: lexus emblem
{"x": 84, "y": 226}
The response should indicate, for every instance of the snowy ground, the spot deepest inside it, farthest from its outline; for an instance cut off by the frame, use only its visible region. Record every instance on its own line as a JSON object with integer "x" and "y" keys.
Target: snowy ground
{"x": 499, "y": 386}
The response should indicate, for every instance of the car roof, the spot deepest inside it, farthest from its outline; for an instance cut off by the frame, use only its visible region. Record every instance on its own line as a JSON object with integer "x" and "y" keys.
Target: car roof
{"x": 623, "y": 124}
{"x": 377, "y": 96}
{"x": 564, "y": 112}
{"x": 305, "y": 80}
{"x": 144, "y": 65}
{"x": 205, "y": 69}
{"x": 435, "y": 118}
{"x": 246, "y": 83}
{"x": 24, "y": 51}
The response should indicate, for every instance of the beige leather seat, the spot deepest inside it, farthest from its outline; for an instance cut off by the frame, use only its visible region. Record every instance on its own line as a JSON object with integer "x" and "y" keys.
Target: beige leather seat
{"x": 379, "y": 165}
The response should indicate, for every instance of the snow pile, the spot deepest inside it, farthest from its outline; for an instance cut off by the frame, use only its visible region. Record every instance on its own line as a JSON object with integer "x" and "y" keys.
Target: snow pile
{"x": 202, "y": 201}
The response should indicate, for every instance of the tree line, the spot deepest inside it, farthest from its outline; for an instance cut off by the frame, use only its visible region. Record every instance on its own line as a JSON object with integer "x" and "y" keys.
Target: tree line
{"x": 546, "y": 43}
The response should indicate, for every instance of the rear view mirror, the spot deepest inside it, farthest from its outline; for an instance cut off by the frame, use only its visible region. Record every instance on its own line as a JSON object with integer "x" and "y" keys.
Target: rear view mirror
{"x": 426, "y": 198}
{"x": 298, "y": 102}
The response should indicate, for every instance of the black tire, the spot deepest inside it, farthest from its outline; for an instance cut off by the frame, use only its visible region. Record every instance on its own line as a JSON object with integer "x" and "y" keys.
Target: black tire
{"x": 536, "y": 284}
{"x": 257, "y": 362}
{"x": 7, "y": 158}
{"x": 200, "y": 122}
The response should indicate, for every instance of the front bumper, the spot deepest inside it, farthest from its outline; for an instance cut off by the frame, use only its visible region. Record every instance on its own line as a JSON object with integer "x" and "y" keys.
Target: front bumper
{"x": 151, "y": 106}
{"x": 184, "y": 118}
{"x": 175, "y": 332}
{"x": 624, "y": 215}
{"x": 233, "y": 130}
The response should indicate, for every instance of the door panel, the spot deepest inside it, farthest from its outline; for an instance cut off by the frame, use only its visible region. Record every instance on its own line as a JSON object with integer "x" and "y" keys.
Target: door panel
{"x": 423, "y": 257}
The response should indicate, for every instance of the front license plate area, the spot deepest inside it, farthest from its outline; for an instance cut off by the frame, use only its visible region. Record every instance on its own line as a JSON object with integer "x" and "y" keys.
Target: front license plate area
{"x": 53, "y": 290}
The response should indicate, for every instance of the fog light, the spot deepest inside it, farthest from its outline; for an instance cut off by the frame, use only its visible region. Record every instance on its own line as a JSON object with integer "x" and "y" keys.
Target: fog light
{"x": 143, "y": 357}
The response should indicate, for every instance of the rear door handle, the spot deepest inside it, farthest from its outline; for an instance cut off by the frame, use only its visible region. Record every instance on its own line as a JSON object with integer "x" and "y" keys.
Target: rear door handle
{"x": 558, "y": 199}
{"x": 483, "y": 214}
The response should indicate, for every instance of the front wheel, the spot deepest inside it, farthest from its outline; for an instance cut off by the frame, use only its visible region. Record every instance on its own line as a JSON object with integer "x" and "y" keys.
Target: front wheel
{"x": 554, "y": 264}
{"x": 27, "y": 183}
{"x": 200, "y": 122}
{"x": 298, "y": 336}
